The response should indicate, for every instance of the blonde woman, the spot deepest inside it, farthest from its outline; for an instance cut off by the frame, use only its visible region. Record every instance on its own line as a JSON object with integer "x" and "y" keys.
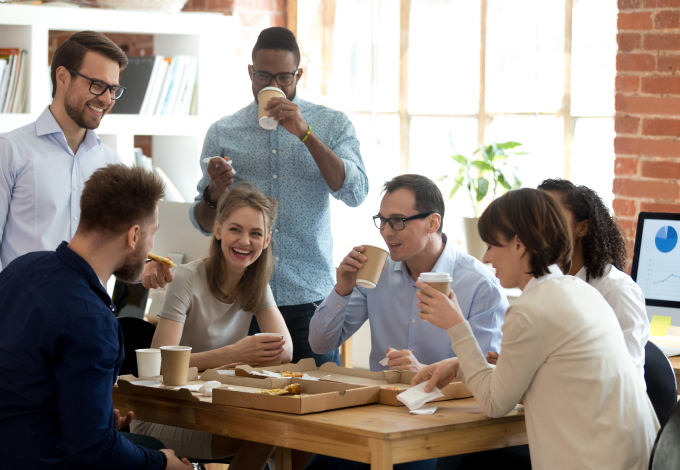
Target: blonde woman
{"x": 209, "y": 307}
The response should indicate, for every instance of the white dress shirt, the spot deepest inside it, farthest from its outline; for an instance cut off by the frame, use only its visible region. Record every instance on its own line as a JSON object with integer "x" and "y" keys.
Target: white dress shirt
{"x": 625, "y": 297}
{"x": 563, "y": 352}
{"x": 41, "y": 181}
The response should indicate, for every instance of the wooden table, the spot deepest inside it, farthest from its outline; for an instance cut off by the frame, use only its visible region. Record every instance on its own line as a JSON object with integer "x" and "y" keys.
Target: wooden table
{"x": 377, "y": 434}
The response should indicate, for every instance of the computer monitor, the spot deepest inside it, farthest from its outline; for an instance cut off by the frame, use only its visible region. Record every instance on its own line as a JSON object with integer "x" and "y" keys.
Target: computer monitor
{"x": 656, "y": 263}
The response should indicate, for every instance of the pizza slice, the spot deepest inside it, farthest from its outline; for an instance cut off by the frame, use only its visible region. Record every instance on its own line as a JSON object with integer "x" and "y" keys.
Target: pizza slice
{"x": 287, "y": 373}
{"x": 292, "y": 389}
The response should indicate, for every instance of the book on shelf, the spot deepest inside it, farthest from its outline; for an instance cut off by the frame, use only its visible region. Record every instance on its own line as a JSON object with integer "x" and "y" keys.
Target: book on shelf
{"x": 13, "y": 80}
{"x": 135, "y": 78}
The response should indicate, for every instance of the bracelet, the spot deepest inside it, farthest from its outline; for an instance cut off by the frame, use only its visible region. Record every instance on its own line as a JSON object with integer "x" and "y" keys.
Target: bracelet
{"x": 206, "y": 198}
{"x": 309, "y": 131}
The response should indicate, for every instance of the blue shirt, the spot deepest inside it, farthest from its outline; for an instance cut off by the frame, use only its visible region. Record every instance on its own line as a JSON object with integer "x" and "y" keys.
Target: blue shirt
{"x": 391, "y": 311}
{"x": 283, "y": 168}
{"x": 41, "y": 181}
{"x": 61, "y": 348}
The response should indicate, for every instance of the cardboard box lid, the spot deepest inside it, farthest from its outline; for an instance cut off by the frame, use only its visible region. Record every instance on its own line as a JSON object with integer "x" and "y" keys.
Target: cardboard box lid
{"x": 126, "y": 386}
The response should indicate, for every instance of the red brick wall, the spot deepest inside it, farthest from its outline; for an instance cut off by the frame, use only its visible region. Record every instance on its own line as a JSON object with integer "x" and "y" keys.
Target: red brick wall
{"x": 647, "y": 144}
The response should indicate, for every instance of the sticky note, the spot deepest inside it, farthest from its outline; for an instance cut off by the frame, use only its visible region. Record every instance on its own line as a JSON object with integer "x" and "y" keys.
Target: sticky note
{"x": 659, "y": 325}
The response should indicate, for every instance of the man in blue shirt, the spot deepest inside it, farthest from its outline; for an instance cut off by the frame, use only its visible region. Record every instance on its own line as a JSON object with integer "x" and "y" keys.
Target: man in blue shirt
{"x": 416, "y": 245}
{"x": 60, "y": 342}
{"x": 312, "y": 153}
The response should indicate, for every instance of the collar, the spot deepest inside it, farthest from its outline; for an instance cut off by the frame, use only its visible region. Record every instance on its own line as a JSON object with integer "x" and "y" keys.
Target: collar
{"x": 79, "y": 265}
{"x": 554, "y": 271}
{"x": 581, "y": 274}
{"x": 46, "y": 124}
{"x": 446, "y": 262}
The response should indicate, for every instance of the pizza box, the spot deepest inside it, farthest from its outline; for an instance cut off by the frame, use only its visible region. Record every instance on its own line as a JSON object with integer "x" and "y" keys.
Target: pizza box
{"x": 452, "y": 391}
{"x": 131, "y": 385}
{"x": 316, "y": 396}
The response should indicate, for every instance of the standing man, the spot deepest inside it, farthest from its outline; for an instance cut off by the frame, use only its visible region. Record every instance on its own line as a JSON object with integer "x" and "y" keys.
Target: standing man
{"x": 313, "y": 152}
{"x": 44, "y": 165}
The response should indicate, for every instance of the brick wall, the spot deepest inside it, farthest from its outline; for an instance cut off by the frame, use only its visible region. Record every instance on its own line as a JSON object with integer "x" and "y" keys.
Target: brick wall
{"x": 647, "y": 144}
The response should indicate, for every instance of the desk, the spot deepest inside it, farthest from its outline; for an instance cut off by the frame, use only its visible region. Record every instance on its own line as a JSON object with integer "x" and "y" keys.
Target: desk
{"x": 377, "y": 434}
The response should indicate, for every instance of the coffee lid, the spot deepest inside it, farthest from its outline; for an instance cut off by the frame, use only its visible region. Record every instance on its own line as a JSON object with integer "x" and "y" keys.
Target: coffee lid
{"x": 435, "y": 277}
{"x": 176, "y": 348}
{"x": 147, "y": 350}
{"x": 273, "y": 88}
{"x": 268, "y": 123}
{"x": 366, "y": 284}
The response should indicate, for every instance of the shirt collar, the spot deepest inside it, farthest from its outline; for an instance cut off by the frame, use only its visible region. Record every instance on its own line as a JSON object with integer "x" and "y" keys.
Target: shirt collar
{"x": 46, "y": 124}
{"x": 554, "y": 271}
{"x": 445, "y": 263}
{"x": 82, "y": 267}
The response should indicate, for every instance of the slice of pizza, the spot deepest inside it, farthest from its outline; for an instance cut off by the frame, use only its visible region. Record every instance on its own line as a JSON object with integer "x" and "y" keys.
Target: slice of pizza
{"x": 293, "y": 388}
{"x": 287, "y": 373}
{"x": 273, "y": 391}
{"x": 161, "y": 260}
{"x": 396, "y": 389}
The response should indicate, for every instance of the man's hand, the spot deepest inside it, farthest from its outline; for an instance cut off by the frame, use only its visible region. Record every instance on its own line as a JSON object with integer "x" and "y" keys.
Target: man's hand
{"x": 289, "y": 116}
{"x": 402, "y": 360}
{"x": 119, "y": 422}
{"x": 156, "y": 275}
{"x": 347, "y": 271}
{"x": 221, "y": 177}
{"x": 436, "y": 308}
{"x": 176, "y": 463}
{"x": 439, "y": 374}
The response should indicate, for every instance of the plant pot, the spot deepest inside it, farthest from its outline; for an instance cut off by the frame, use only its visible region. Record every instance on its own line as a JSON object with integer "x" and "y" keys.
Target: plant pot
{"x": 475, "y": 246}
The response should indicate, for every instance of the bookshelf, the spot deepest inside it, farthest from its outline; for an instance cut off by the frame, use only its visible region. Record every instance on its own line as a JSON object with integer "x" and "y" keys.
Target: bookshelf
{"x": 177, "y": 140}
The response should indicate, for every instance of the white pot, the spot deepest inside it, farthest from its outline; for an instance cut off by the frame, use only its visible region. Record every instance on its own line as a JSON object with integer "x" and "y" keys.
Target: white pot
{"x": 475, "y": 246}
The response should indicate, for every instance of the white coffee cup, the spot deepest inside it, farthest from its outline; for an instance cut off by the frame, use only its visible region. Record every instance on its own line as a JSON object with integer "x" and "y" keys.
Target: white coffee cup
{"x": 148, "y": 362}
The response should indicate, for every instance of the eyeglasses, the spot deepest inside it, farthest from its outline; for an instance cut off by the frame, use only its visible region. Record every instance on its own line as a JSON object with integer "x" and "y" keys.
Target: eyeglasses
{"x": 98, "y": 88}
{"x": 265, "y": 78}
{"x": 398, "y": 223}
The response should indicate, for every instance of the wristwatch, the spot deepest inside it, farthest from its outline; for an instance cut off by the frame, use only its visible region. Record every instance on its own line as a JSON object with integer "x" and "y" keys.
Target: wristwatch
{"x": 206, "y": 198}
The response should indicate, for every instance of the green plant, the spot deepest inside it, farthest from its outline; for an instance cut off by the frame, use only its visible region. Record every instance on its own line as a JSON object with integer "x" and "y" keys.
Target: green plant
{"x": 487, "y": 170}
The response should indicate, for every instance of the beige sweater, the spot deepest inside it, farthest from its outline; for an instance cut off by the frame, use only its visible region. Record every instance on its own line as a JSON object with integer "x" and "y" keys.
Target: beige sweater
{"x": 564, "y": 353}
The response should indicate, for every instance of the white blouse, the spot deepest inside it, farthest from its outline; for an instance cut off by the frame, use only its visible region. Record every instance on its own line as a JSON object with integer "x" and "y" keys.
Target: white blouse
{"x": 564, "y": 354}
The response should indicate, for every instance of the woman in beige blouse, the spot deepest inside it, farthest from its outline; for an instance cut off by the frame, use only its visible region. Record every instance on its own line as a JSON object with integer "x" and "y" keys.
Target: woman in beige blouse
{"x": 209, "y": 307}
{"x": 562, "y": 352}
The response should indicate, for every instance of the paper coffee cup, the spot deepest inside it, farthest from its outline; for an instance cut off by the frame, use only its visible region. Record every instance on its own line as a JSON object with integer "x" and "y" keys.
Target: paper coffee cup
{"x": 440, "y": 281}
{"x": 175, "y": 365}
{"x": 148, "y": 362}
{"x": 276, "y": 361}
{"x": 369, "y": 275}
{"x": 262, "y": 97}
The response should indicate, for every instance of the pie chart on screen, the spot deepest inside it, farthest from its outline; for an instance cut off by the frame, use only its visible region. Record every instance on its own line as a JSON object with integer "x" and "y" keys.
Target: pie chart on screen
{"x": 666, "y": 239}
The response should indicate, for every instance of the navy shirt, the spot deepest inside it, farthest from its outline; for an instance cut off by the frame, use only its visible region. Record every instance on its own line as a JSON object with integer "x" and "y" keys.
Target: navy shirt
{"x": 61, "y": 348}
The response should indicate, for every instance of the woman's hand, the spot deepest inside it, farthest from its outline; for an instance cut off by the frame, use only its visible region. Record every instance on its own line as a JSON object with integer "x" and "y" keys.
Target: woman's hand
{"x": 436, "y": 308}
{"x": 256, "y": 349}
{"x": 439, "y": 374}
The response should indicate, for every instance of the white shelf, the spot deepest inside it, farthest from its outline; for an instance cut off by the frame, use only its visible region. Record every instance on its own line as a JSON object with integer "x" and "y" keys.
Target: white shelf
{"x": 210, "y": 36}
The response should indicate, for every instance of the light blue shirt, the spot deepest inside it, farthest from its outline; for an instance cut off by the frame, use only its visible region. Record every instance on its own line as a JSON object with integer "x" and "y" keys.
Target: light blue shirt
{"x": 283, "y": 168}
{"x": 41, "y": 181}
{"x": 391, "y": 311}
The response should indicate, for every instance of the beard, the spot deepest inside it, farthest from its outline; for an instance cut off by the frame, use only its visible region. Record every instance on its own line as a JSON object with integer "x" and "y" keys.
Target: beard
{"x": 132, "y": 268}
{"x": 77, "y": 114}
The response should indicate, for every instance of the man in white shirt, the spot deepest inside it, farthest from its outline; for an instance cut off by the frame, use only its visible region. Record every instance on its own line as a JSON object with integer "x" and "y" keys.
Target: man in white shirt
{"x": 44, "y": 165}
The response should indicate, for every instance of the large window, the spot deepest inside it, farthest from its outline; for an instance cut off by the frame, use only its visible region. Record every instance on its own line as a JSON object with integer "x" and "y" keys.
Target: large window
{"x": 421, "y": 79}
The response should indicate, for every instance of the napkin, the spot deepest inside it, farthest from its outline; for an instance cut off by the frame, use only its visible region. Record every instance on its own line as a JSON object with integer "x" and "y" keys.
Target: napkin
{"x": 266, "y": 373}
{"x": 207, "y": 388}
{"x": 306, "y": 376}
{"x": 425, "y": 410}
{"x": 207, "y": 160}
{"x": 384, "y": 361}
{"x": 415, "y": 397}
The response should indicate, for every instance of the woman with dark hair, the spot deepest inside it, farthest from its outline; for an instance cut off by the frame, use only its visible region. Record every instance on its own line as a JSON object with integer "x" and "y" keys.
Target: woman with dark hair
{"x": 562, "y": 350}
{"x": 209, "y": 307}
{"x": 599, "y": 258}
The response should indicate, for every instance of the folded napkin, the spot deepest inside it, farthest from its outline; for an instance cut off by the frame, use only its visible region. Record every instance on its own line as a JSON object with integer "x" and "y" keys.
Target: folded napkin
{"x": 425, "y": 410}
{"x": 415, "y": 397}
{"x": 207, "y": 388}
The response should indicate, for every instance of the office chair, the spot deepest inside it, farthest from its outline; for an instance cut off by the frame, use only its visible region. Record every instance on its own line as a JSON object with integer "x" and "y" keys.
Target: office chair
{"x": 666, "y": 451}
{"x": 660, "y": 377}
{"x": 137, "y": 334}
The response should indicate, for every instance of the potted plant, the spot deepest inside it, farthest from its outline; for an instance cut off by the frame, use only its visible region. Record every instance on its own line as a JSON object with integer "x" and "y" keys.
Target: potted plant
{"x": 484, "y": 175}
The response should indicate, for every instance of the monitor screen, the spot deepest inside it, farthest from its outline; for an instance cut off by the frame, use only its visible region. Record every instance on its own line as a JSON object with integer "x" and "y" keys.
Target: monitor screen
{"x": 656, "y": 261}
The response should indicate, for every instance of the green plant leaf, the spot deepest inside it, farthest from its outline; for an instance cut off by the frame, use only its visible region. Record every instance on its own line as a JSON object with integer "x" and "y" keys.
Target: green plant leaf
{"x": 440, "y": 179}
{"x": 519, "y": 153}
{"x": 503, "y": 182}
{"x": 454, "y": 190}
{"x": 508, "y": 145}
{"x": 518, "y": 182}
{"x": 482, "y": 188}
{"x": 482, "y": 165}
{"x": 460, "y": 159}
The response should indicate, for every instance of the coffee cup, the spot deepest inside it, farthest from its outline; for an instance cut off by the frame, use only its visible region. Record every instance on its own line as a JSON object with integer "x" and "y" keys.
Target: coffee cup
{"x": 369, "y": 275}
{"x": 263, "y": 97}
{"x": 440, "y": 281}
{"x": 175, "y": 365}
{"x": 276, "y": 361}
{"x": 148, "y": 362}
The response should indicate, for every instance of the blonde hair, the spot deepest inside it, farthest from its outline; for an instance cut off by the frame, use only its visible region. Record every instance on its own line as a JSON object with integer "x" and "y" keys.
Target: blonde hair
{"x": 253, "y": 284}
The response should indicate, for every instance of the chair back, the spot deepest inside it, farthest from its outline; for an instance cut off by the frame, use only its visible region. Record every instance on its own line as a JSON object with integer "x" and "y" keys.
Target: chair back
{"x": 666, "y": 451}
{"x": 660, "y": 377}
{"x": 137, "y": 334}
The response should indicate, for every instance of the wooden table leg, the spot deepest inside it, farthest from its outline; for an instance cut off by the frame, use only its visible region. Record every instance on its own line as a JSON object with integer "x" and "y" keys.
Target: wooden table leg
{"x": 381, "y": 455}
{"x": 283, "y": 458}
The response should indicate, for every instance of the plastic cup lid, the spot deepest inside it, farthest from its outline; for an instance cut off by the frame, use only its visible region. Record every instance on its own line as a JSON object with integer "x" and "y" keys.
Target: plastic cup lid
{"x": 176, "y": 348}
{"x": 274, "y": 89}
{"x": 148, "y": 350}
{"x": 435, "y": 277}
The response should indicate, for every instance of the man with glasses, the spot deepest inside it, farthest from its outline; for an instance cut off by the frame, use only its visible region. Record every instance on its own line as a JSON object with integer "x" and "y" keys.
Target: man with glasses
{"x": 312, "y": 153}
{"x": 44, "y": 165}
{"x": 410, "y": 221}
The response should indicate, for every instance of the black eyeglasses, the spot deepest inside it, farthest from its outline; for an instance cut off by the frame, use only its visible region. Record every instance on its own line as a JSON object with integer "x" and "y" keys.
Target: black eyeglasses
{"x": 98, "y": 88}
{"x": 265, "y": 78}
{"x": 397, "y": 223}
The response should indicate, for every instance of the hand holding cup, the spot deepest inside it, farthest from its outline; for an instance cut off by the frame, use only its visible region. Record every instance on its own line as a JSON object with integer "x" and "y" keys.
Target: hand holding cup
{"x": 347, "y": 271}
{"x": 436, "y": 308}
{"x": 221, "y": 176}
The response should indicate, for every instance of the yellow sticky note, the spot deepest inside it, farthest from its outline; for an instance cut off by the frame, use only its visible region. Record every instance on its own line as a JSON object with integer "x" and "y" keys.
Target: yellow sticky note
{"x": 659, "y": 325}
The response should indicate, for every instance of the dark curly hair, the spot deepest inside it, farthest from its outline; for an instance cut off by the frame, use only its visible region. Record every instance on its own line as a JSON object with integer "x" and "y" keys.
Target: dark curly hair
{"x": 605, "y": 242}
